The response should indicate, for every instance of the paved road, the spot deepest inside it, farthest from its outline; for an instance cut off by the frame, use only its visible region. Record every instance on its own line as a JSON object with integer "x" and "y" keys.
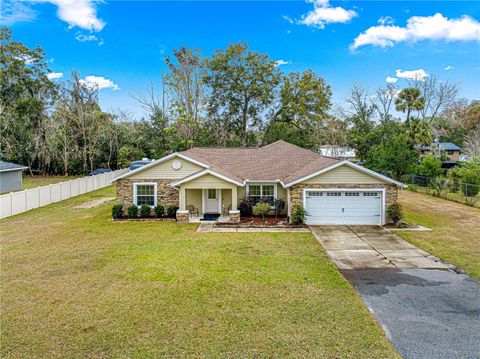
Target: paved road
{"x": 426, "y": 309}
{"x": 425, "y": 313}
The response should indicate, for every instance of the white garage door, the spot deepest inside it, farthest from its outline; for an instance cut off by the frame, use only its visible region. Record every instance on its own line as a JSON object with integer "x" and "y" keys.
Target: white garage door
{"x": 343, "y": 207}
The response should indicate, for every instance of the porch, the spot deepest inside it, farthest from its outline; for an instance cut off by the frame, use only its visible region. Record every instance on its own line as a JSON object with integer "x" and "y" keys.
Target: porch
{"x": 215, "y": 203}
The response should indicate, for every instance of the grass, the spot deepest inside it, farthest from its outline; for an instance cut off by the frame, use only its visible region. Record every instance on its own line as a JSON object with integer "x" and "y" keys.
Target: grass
{"x": 455, "y": 237}
{"x": 76, "y": 284}
{"x": 459, "y": 197}
{"x": 38, "y": 181}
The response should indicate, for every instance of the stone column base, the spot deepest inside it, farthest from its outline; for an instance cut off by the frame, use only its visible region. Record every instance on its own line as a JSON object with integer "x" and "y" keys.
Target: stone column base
{"x": 183, "y": 216}
{"x": 234, "y": 216}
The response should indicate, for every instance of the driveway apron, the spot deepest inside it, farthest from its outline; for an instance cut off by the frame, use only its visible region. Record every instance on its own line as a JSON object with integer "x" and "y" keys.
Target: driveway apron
{"x": 426, "y": 309}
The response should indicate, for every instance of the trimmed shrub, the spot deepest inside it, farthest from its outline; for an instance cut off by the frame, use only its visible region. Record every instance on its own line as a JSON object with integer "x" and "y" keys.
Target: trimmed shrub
{"x": 132, "y": 211}
{"x": 394, "y": 213}
{"x": 298, "y": 214}
{"x": 117, "y": 211}
{"x": 172, "y": 211}
{"x": 159, "y": 211}
{"x": 279, "y": 206}
{"x": 145, "y": 211}
{"x": 261, "y": 209}
{"x": 246, "y": 206}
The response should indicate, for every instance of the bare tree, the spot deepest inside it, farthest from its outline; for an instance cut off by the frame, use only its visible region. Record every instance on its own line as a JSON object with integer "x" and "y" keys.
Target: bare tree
{"x": 383, "y": 101}
{"x": 438, "y": 95}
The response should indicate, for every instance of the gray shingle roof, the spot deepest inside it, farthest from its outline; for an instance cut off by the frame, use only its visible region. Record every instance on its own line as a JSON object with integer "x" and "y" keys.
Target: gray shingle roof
{"x": 8, "y": 166}
{"x": 445, "y": 146}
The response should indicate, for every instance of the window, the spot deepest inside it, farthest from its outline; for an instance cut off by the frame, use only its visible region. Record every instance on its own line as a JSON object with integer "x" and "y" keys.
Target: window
{"x": 352, "y": 194}
{"x": 370, "y": 194}
{"x": 265, "y": 192}
{"x": 212, "y": 194}
{"x": 334, "y": 194}
{"x": 145, "y": 193}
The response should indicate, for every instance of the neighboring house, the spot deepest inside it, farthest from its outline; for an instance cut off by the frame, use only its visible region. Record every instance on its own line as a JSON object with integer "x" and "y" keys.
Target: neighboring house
{"x": 99, "y": 171}
{"x": 447, "y": 149}
{"x": 11, "y": 176}
{"x": 137, "y": 164}
{"x": 344, "y": 153}
{"x": 214, "y": 180}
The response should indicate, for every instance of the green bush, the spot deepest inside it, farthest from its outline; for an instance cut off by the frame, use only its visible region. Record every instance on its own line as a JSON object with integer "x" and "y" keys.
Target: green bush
{"x": 468, "y": 174}
{"x": 279, "y": 206}
{"x": 159, "y": 211}
{"x": 145, "y": 211}
{"x": 261, "y": 209}
{"x": 172, "y": 211}
{"x": 394, "y": 213}
{"x": 117, "y": 211}
{"x": 132, "y": 211}
{"x": 430, "y": 166}
{"x": 298, "y": 214}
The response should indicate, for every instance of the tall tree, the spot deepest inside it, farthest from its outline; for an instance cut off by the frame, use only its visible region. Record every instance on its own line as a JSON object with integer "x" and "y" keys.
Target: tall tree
{"x": 408, "y": 100}
{"x": 242, "y": 85}
{"x": 301, "y": 111}
{"x": 185, "y": 81}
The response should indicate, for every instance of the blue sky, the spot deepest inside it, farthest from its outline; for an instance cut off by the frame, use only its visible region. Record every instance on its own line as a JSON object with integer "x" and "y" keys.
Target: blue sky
{"x": 121, "y": 44}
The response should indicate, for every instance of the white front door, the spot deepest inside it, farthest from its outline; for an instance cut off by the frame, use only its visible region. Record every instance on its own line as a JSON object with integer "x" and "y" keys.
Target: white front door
{"x": 347, "y": 206}
{"x": 211, "y": 198}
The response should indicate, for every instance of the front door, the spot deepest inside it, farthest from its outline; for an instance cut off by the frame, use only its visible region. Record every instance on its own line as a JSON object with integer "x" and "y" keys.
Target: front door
{"x": 211, "y": 201}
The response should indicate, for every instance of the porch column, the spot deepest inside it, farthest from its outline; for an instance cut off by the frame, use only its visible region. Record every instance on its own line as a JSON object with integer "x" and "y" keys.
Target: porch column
{"x": 234, "y": 198}
{"x": 182, "y": 199}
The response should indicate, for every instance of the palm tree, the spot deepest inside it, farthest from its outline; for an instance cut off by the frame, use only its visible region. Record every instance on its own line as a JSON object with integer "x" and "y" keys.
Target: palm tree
{"x": 408, "y": 100}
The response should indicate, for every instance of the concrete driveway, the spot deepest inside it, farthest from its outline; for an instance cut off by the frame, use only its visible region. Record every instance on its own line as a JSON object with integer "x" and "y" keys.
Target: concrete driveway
{"x": 426, "y": 309}
{"x": 360, "y": 247}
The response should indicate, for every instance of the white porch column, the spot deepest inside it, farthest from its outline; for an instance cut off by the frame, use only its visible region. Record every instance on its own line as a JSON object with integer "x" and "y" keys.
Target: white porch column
{"x": 234, "y": 198}
{"x": 182, "y": 199}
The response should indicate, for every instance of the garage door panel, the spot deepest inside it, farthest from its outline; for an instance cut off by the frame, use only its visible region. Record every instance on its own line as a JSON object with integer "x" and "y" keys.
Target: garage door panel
{"x": 343, "y": 207}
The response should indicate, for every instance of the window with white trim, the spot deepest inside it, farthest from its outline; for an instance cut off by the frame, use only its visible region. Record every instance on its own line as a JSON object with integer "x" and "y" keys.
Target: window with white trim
{"x": 264, "y": 192}
{"x": 145, "y": 193}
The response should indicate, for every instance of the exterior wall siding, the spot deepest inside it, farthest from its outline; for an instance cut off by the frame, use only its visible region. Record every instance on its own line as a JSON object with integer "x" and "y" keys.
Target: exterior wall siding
{"x": 166, "y": 194}
{"x": 10, "y": 181}
{"x": 194, "y": 198}
{"x": 207, "y": 181}
{"x": 164, "y": 170}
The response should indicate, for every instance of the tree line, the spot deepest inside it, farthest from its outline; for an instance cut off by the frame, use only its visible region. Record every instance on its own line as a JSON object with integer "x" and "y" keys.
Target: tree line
{"x": 234, "y": 97}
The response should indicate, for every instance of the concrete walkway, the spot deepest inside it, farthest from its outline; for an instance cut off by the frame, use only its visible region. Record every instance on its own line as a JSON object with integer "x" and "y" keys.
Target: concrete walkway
{"x": 361, "y": 247}
{"x": 209, "y": 227}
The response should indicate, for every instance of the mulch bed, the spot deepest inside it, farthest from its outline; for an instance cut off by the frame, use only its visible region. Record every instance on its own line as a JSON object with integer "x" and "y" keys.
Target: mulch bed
{"x": 149, "y": 219}
{"x": 257, "y": 222}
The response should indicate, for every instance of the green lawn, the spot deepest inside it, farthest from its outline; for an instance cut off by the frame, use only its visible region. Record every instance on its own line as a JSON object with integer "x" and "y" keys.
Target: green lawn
{"x": 455, "y": 237}
{"x": 76, "y": 284}
{"x": 38, "y": 181}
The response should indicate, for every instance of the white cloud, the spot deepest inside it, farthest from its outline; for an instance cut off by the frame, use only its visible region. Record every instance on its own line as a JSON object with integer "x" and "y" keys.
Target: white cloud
{"x": 12, "y": 12}
{"x": 449, "y": 67}
{"x": 282, "y": 62}
{"x": 419, "y": 74}
{"x": 87, "y": 38}
{"x": 99, "y": 82}
{"x": 78, "y": 13}
{"x": 54, "y": 75}
{"x": 436, "y": 27}
{"x": 386, "y": 20}
{"x": 391, "y": 80}
{"x": 323, "y": 14}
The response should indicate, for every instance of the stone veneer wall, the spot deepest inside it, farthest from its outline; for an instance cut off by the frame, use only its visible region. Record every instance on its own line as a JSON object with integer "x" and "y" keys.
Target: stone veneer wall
{"x": 296, "y": 192}
{"x": 166, "y": 194}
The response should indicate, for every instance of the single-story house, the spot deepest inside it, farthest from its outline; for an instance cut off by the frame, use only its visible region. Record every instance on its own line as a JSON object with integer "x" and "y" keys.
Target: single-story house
{"x": 11, "y": 176}
{"x": 214, "y": 180}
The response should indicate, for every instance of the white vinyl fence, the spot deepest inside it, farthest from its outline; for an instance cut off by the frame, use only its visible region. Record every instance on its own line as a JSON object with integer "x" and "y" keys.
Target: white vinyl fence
{"x": 22, "y": 201}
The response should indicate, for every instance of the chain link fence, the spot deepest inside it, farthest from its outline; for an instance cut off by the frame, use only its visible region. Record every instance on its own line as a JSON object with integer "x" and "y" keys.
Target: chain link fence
{"x": 457, "y": 191}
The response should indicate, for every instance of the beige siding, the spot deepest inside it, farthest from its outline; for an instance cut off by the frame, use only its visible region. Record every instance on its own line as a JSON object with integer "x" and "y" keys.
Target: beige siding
{"x": 194, "y": 198}
{"x": 207, "y": 181}
{"x": 165, "y": 171}
{"x": 281, "y": 192}
{"x": 344, "y": 174}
